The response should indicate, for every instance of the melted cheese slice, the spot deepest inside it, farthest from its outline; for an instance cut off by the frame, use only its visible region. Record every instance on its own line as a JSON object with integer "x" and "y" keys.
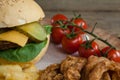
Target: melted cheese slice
{"x": 14, "y": 37}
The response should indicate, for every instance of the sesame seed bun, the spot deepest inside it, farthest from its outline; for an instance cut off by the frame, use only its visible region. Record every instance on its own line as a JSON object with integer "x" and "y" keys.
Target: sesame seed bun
{"x": 19, "y": 12}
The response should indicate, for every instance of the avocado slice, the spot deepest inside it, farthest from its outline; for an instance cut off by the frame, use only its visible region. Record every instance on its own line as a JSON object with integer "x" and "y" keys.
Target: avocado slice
{"x": 34, "y": 30}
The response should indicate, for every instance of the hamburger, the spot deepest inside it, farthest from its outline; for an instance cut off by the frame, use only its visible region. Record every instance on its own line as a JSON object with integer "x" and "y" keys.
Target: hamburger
{"x": 23, "y": 40}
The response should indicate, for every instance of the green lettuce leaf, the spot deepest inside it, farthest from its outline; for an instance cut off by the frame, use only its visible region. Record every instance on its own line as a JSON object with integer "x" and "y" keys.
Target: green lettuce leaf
{"x": 48, "y": 28}
{"x": 24, "y": 54}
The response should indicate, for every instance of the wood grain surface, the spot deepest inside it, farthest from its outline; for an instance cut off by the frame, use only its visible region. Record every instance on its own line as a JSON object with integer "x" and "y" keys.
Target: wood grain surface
{"x": 80, "y": 5}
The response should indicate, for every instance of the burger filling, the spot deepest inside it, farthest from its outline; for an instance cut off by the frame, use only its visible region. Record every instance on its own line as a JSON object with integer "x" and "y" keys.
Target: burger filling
{"x": 23, "y": 43}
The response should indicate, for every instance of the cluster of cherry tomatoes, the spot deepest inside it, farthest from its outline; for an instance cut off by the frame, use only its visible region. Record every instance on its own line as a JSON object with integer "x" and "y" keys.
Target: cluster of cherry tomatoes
{"x": 69, "y": 33}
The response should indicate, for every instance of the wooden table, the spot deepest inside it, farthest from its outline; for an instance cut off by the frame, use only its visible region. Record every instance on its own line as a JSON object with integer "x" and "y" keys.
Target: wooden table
{"x": 105, "y": 12}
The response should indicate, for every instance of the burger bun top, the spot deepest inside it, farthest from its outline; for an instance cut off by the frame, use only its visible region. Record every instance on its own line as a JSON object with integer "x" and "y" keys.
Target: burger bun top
{"x": 19, "y": 12}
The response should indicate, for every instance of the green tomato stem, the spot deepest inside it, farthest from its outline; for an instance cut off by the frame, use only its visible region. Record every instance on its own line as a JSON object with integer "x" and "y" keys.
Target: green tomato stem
{"x": 93, "y": 28}
{"x": 98, "y": 38}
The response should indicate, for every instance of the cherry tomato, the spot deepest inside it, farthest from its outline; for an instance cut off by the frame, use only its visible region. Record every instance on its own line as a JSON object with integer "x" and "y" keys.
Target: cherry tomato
{"x": 111, "y": 54}
{"x": 58, "y": 33}
{"x": 104, "y": 51}
{"x": 58, "y": 17}
{"x": 75, "y": 28}
{"x": 114, "y": 55}
{"x": 71, "y": 45}
{"x": 86, "y": 50}
{"x": 80, "y": 22}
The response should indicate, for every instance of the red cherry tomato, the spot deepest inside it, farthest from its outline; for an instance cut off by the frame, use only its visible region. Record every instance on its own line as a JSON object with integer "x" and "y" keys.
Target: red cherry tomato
{"x": 58, "y": 33}
{"x": 114, "y": 55}
{"x": 75, "y": 28}
{"x": 58, "y": 17}
{"x": 111, "y": 54}
{"x": 86, "y": 51}
{"x": 104, "y": 51}
{"x": 80, "y": 22}
{"x": 71, "y": 45}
